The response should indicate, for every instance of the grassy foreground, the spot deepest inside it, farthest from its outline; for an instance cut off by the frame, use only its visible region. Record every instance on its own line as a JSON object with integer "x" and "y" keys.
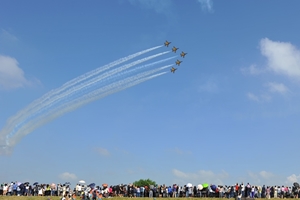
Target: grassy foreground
{"x": 77, "y": 198}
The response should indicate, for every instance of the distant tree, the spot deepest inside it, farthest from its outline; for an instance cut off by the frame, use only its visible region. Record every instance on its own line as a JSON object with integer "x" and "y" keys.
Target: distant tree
{"x": 144, "y": 182}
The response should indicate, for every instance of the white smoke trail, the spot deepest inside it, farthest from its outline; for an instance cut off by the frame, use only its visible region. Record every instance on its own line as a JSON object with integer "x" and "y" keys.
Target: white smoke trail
{"x": 69, "y": 106}
{"x": 77, "y": 88}
{"x": 102, "y": 78}
{"x": 20, "y": 114}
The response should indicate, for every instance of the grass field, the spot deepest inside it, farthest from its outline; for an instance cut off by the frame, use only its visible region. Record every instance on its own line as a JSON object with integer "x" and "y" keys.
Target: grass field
{"x": 77, "y": 198}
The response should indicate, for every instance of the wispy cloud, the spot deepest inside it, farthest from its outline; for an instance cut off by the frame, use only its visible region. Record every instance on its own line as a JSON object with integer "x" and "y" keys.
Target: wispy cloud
{"x": 266, "y": 175}
{"x": 178, "y": 151}
{"x": 259, "y": 98}
{"x": 252, "y": 70}
{"x": 263, "y": 177}
{"x": 158, "y": 5}
{"x": 293, "y": 178}
{"x": 11, "y": 75}
{"x": 277, "y": 87}
{"x": 282, "y": 57}
{"x": 200, "y": 176}
{"x": 67, "y": 176}
{"x": 102, "y": 151}
{"x": 206, "y": 5}
{"x": 7, "y": 36}
{"x": 209, "y": 86}
{"x": 252, "y": 97}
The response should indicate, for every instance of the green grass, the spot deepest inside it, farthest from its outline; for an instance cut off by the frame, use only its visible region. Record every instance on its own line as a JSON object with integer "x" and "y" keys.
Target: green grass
{"x": 77, "y": 198}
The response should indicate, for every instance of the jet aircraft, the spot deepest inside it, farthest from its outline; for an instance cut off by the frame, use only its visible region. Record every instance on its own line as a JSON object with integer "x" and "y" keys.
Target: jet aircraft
{"x": 167, "y": 43}
{"x": 178, "y": 62}
{"x": 174, "y": 49}
{"x": 183, "y": 54}
{"x": 173, "y": 70}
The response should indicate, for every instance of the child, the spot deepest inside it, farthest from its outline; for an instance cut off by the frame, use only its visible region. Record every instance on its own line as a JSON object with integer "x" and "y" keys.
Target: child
{"x": 239, "y": 196}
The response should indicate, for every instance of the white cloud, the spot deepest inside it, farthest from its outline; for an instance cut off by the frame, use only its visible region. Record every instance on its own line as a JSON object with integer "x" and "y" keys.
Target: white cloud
{"x": 206, "y": 5}
{"x": 292, "y": 178}
{"x": 263, "y": 177}
{"x": 259, "y": 98}
{"x": 252, "y": 97}
{"x": 254, "y": 177}
{"x": 253, "y": 70}
{"x": 209, "y": 86}
{"x": 102, "y": 151}
{"x": 6, "y": 36}
{"x": 11, "y": 75}
{"x": 180, "y": 174}
{"x": 67, "y": 176}
{"x": 266, "y": 175}
{"x": 277, "y": 87}
{"x": 283, "y": 57}
{"x": 158, "y": 5}
{"x": 200, "y": 176}
{"x": 180, "y": 151}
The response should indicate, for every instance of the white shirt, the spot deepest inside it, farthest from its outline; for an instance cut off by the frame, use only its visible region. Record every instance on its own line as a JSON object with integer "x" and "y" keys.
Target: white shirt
{"x": 243, "y": 187}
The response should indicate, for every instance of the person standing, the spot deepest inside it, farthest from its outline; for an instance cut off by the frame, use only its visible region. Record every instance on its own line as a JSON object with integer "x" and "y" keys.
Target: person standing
{"x": 243, "y": 189}
{"x": 190, "y": 190}
{"x": 174, "y": 191}
{"x": 259, "y": 190}
{"x": 252, "y": 192}
{"x": 295, "y": 192}
{"x": 282, "y": 192}
{"x": 5, "y": 187}
{"x": 138, "y": 191}
{"x": 268, "y": 191}
{"x": 150, "y": 193}
{"x": 275, "y": 191}
{"x": 221, "y": 191}
{"x": 142, "y": 190}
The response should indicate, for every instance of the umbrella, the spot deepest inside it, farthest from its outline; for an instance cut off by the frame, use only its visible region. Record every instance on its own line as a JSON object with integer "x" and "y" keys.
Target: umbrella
{"x": 35, "y": 183}
{"x": 189, "y": 185}
{"x": 53, "y": 185}
{"x": 200, "y": 187}
{"x": 213, "y": 187}
{"x": 259, "y": 187}
{"x": 92, "y": 185}
{"x": 296, "y": 184}
{"x": 26, "y": 183}
{"x": 205, "y": 185}
{"x": 81, "y": 181}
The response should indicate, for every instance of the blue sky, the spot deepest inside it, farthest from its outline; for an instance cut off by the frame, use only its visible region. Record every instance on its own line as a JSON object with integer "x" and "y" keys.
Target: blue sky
{"x": 229, "y": 114}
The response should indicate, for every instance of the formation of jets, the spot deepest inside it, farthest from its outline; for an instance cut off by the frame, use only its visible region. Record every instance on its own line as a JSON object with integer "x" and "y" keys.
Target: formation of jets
{"x": 173, "y": 69}
{"x": 178, "y": 62}
{"x": 174, "y": 49}
{"x": 183, "y": 54}
{"x": 167, "y": 43}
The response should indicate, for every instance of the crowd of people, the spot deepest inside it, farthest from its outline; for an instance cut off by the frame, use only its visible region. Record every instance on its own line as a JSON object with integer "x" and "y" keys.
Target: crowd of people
{"x": 93, "y": 192}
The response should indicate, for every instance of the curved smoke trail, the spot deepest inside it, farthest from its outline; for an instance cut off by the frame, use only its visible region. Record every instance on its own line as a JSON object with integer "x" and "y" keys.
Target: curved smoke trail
{"x": 35, "y": 112}
{"x": 76, "y": 103}
{"x": 73, "y": 82}
{"x": 60, "y": 101}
